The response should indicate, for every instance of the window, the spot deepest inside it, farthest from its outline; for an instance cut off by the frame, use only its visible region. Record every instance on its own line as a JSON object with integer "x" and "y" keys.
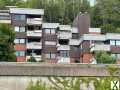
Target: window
{"x": 50, "y": 31}
{"x": 64, "y": 53}
{"x": 50, "y": 55}
{"x": 75, "y": 36}
{"x": 19, "y": 17}
{"x": 20, "y": 53}
{"x": 117, "y": 42}
{"x": 19, "y": 29}
{"x": 112, "y": 42}
{"x": 19, "y": 41}
{"x": 47, "y": 31}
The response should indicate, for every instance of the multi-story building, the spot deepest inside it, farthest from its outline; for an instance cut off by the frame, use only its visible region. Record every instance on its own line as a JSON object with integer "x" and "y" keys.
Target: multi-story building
{"x": 27, "y": 24}
{"x": 55, "y": 43}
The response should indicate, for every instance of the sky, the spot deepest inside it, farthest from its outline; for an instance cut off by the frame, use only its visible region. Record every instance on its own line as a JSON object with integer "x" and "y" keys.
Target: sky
{"x": 92, "y": 2}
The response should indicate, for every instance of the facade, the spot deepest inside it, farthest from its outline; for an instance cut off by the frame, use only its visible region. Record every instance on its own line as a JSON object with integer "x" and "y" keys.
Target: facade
{"x": 55, "y": 43}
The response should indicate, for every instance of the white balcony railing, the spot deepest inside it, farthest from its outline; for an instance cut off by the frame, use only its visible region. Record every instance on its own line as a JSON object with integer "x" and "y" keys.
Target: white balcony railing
{"x": 36, "y": 33}
{"x": 64, "y": 35}
{"x": 63, "y": 47}
{"x": 63, "y": 60}
{"x": 100, "y": 47}
{"x": 75, "y": 41}
{"x": 34, "y": 21}
{"x": 37, "y": 57}
{"x": 34, "y": 45}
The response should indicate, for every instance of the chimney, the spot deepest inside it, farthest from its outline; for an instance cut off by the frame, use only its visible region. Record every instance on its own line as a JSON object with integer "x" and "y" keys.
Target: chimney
{"x": 82, "y": 22}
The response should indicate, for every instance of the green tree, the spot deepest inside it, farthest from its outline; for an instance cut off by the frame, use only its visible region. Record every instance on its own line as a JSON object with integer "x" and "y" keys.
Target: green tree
{"x": 61, "y": 11}
{"x": 39, "y": 85}
{"x": 4, "y": 3}
{"x": 105, "y": 14}
{"x": 7, "y": 36}
{"x": 32, "y": 59}
{"x": 104, "y": 58}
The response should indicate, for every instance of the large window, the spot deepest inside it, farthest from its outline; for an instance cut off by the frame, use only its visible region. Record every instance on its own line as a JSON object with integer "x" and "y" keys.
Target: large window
{"x": 112, "y": 42}
{"x": 20, "y": 53}
{"x": 64, "y": 53}
{"x": 20, "y": 17}
{"x": 50, "y": 31}
{"x": 19, "y": 41}
{"x": 115, "y": 42}
{"x": 19, "y": 29}
{"x": 50, "y": 55}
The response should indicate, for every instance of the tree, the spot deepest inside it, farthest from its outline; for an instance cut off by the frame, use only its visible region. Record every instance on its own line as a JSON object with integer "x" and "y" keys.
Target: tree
{"x": 32, "y": 59}
{"x": 106, "y": 13}
{"x": 4, "y": 3}
{"x": 104, "y": 58}
{"x": 7, "y": 36}
{"x": 39, "y": 85}
{"x": 60, "y": 11}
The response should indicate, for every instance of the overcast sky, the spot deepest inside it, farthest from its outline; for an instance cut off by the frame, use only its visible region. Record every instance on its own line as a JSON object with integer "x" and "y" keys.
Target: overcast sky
{"x": 92, "y": 2}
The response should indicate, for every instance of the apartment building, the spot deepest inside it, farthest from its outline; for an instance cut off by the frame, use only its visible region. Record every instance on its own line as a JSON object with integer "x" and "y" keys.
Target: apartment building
{"x": 55, "y": 43}
{"x": 27, "y": 24}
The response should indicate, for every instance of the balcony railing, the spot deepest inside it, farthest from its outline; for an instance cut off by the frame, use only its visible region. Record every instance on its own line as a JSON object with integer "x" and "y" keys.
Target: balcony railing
{"x": 37, "y": 57}
{"x": 34, "y": 45}
{"x": 75, "y": 41}
{"x": 63, "y": 60}
{"x": 63, "y": 47}
{"x": 64, "y": 35}
{"x": 36, "y": 33}
{"x": 34, "y": 21}
{"x": 100, "y": 47}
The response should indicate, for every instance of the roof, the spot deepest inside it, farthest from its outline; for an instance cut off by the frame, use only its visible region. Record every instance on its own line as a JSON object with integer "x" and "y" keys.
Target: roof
{"x": 114, "y": 36}
{"x": 27, "y": 11}
{"x": 94, "y": 37}
{"x": 97, "y": 30}
{"x": 50, "y": 25}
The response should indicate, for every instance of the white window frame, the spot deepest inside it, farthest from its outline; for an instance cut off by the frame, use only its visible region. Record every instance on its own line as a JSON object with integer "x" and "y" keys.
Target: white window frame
{"x": 19, "y": 29}
{"x": 19, "y": 41}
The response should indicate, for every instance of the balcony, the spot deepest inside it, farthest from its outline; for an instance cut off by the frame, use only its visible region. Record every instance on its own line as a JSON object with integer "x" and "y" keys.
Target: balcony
{"x": 37, "y": 57}
{"x": 75, "y": 41}
{"x": 34, "y": 21}
{"x": 102, "y": 47}
{"x": 34, "y": 45}
{"x": 36, "y": 33}
{"x": 63, "y": 47}
{"x": 64, "y": 35}
{"x": 63, "y": 60}
{"x": 94, "y": 37}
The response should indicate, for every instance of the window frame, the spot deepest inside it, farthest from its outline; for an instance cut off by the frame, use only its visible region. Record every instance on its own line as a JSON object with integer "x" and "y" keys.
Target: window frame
{"x": 20, "y": 53}
{"x": 50, "y": 55}
{"x": 51, "y": 31}
{"x": 19, "y": 17}
{"x": 19, "y": 29}
{"x": 19, "y": 41}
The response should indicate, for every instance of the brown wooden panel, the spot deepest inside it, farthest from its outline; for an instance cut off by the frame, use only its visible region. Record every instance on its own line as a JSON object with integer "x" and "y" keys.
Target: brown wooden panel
{"x": 115, "y": 49}
{"x": 74, "y": 52}
{"x": 21, "y": 35}
{"x": 83, "y": 23}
